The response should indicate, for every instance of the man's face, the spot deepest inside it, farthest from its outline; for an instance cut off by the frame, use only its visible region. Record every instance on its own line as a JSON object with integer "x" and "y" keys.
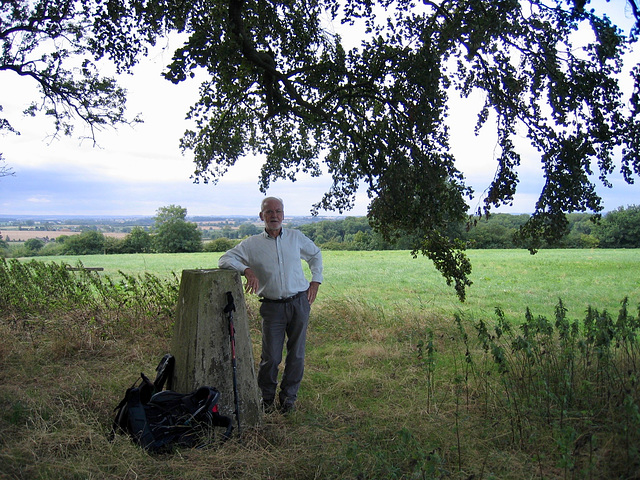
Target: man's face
{"x": 272, "y": 215}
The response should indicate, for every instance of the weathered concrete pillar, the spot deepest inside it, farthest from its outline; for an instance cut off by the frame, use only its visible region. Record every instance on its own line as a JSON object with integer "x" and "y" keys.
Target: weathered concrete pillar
{"x": 201, "y": 344}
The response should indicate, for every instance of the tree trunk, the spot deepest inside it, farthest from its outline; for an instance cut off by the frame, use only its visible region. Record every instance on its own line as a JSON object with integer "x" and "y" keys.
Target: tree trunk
{"x": 202, "y": 344}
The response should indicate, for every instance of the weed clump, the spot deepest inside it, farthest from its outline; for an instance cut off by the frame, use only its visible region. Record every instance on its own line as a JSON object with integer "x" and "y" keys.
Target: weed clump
{"x": 38, "y": 297}
{"x": 560, "y": 388}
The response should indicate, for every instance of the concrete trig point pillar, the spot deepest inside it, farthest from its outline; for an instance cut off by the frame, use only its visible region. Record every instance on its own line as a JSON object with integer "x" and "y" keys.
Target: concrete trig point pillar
{"x": 202, "y": 347}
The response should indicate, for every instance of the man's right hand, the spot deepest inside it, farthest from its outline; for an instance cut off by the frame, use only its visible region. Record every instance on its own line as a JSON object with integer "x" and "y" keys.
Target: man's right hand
{"x": 252, "y": 284}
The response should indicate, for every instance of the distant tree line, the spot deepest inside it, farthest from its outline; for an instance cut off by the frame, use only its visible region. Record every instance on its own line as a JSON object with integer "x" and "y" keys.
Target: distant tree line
{"x": 227, "y": 231}
{"x": 617, "y": 229}
{"x": 171, "y": 233}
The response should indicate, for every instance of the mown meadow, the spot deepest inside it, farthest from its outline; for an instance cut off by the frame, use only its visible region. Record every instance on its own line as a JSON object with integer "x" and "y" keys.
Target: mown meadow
{"x": 534, "y": 376}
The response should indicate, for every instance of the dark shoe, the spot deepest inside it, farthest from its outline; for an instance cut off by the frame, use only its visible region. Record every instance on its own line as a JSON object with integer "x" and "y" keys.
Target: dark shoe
{"x": 268, "y": 405}
{"x": 287, "y": 408}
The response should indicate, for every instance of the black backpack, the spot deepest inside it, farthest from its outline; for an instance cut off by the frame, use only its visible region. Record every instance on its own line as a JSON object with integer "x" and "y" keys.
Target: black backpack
{"x": 159, "y": 420}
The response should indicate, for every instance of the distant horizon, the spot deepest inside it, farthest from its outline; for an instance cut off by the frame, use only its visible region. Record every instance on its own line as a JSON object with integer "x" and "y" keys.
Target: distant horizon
{"x": 62, "y": 216}
{"x": 43, "y": 218}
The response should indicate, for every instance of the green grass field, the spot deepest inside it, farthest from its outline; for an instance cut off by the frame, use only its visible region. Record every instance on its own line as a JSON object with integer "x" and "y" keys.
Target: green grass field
{"x": 402, "y": 381}
{"x": 509, "y": 279}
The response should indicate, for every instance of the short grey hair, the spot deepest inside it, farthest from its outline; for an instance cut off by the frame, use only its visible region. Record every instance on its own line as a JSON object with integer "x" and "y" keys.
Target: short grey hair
{"x": 269, "y": 199}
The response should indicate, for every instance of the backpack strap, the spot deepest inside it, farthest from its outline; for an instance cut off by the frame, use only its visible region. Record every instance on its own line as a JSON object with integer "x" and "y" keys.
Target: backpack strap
{"x": 206, "y": 398}
{"x": 164, "y": 372}
{"x": 138, "y": 424}
{"x": 142, "y": 389}
{"x": 147, "y": 389}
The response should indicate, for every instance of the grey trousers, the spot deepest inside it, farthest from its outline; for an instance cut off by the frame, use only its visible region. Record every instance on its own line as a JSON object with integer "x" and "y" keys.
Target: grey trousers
{"x": 280, "y": 320}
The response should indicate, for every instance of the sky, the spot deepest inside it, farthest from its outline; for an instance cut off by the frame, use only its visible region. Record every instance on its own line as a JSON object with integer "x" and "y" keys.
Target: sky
{"x": 133, "y": 171}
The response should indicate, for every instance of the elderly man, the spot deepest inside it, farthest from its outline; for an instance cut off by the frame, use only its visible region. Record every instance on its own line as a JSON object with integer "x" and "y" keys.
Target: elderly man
{"x": 271, "y": 263}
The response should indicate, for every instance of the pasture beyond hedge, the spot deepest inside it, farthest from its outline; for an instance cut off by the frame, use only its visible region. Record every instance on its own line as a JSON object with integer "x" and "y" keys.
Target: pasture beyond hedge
{"x": 535, "y": 376}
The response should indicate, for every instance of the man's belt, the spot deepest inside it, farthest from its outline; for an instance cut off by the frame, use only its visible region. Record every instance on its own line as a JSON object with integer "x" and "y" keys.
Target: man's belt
{"x": 283, "y": 300}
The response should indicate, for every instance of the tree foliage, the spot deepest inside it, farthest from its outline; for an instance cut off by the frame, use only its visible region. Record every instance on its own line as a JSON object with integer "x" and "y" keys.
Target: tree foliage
{"x": 617, "y": 229}
{"x": 3, "y": 246}
{"x": 138, "y": 241}
{"x": 173, "y": 234}
{"x": 620, "y": 228}
{"x": 87, "y": 243}
{"x": 284, "y": 83}
{"x": 34, "y": 244}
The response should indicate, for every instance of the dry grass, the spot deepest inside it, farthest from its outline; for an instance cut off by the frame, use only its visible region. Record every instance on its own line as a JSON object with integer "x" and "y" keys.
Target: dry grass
{"x": 363, "y": 413}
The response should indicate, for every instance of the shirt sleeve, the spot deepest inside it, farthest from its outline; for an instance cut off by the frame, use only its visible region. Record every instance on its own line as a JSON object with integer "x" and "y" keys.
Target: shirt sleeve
{"x": 312, "y": 254}
{"x": 234, "y": 259}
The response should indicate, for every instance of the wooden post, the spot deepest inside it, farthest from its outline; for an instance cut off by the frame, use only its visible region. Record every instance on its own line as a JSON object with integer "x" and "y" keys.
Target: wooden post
{"x": 201, "y": 343}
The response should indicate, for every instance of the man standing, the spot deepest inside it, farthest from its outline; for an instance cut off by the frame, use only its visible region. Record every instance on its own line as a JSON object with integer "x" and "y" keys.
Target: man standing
{"x": 271, "y": 263}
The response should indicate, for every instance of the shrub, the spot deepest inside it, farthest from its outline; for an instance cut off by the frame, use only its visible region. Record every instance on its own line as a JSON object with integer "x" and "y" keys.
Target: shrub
{"x": 87, "y": 243}
{"x": 51, "y": 248}
{"x": 221, "y": 244}
{"x": 34, "y": 244}
{"x": 138, "y": 241}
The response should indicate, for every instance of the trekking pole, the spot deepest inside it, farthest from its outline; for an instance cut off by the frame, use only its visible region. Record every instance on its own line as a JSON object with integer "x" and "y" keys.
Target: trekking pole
{"x": 229, "y": 309}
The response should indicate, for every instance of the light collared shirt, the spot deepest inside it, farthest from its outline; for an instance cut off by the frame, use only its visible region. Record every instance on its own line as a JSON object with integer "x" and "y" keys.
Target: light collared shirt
{"x": 276, "y": 262}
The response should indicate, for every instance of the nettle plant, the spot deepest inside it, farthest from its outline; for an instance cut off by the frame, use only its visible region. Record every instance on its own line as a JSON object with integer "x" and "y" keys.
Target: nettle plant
{"x": 578, "y": 377}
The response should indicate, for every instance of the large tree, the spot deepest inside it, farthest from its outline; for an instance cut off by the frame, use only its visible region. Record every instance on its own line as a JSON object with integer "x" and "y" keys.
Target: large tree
{"x": 283, "y": 82}
{"x": 172, "y": 232}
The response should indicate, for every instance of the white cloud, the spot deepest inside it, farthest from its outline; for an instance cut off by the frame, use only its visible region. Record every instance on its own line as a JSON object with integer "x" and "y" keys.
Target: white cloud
{"x": 39, "y": 199}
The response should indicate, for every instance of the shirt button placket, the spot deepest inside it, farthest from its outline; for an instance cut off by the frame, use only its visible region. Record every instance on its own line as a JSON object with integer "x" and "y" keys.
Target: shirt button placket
{"x": 280, "y": 265}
